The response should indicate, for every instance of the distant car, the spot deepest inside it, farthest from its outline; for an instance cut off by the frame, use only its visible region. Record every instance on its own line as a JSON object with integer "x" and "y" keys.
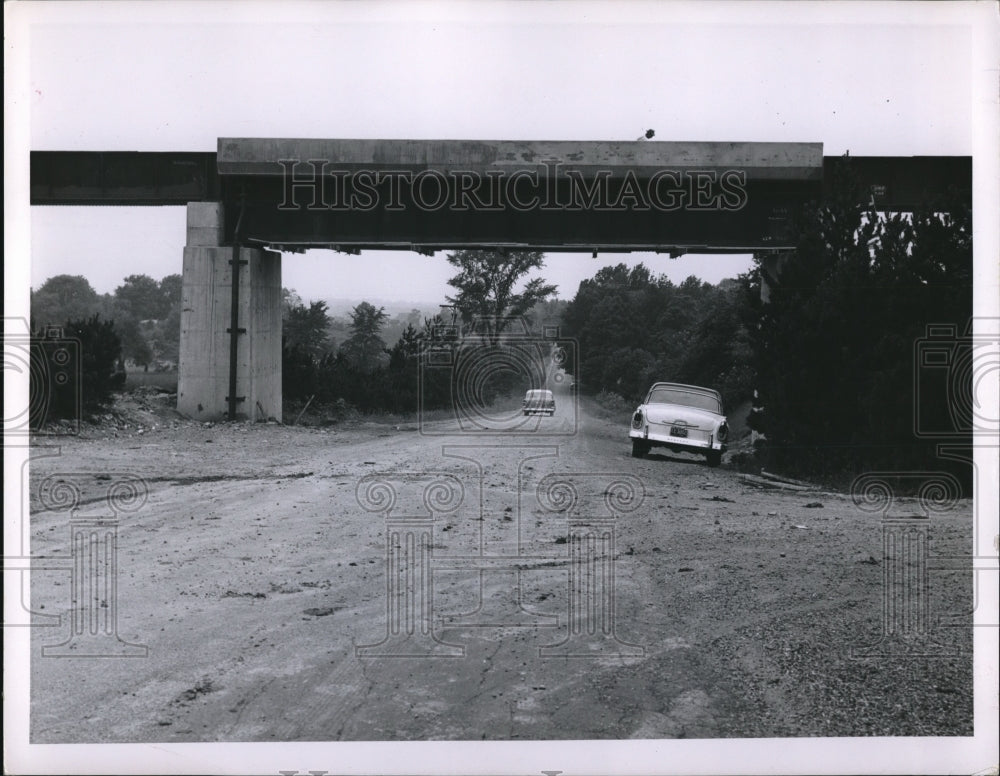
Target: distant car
{"x": 538, "y": 400}
{"x": 683, "y": 418}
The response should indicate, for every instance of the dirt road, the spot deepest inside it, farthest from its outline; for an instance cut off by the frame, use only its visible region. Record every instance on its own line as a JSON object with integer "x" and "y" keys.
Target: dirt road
{"x": 555, "y": 587}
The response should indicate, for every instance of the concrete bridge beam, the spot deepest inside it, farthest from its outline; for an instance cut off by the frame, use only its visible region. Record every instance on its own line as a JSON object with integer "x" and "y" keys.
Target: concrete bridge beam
{"x": 203, "y": 373}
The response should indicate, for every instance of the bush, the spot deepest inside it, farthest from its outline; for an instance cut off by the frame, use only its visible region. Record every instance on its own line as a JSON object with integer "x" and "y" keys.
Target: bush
{"x": 101, "y": 356}
{"x": 94, "y": 368}
{"x": 614, "y": 402}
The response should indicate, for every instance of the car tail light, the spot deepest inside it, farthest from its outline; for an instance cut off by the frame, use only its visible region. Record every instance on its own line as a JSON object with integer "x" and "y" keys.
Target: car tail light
{"x": 637, "y": 419}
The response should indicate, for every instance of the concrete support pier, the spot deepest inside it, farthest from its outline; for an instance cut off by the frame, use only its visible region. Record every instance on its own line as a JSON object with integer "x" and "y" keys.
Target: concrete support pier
{"x": 203, "y": 372}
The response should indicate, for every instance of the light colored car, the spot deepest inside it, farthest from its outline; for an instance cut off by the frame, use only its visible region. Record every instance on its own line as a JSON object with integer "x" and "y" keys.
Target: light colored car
{"x": 683, "y": 418}
{"x": 538, "y": 400}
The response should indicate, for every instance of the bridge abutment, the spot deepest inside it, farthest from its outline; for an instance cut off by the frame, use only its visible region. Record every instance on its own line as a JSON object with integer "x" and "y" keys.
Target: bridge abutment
{"x": 203, "y": 372}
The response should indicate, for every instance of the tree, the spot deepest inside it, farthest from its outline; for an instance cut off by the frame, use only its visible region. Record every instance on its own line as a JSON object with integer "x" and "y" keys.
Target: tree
{"x": 305, "y": 328}
{"x": 365, "y": 347}
{"x": 171, "y": 289}
{"x": 395, "y": 326}
{"x": 62, "y": 298}
{"x": 139, "y": 298}
{"x": 403, "y": 373}
{"x": 100, "y": 353}
{"x": 835, "y": 343}
{"x": 91, "y": 365}
{"x": 486, "y": 285}
{"x": 546, "y": 313}
{"x": 142, "y": 297}
{"x": 289, "y": 300}
{"x": 134, "y": 345}
{"x": 718, "y": 349}
{"x": 408, "y": 347}
{"x": 633, "y": 329}
{"x": 164, "y": 340}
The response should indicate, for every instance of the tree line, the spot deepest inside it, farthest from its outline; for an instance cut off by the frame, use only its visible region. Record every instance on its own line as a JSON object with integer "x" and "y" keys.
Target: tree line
{"x": 364, "y": 373}
{"x": 140, "y": 322}
{"x": 837, "y": 346}
{"x": 144, "y": 313}
{"x": 633, "y": 329}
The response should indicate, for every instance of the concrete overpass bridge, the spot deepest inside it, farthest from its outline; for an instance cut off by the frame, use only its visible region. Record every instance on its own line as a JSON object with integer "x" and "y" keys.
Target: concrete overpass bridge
{"x": 255, "y": 196}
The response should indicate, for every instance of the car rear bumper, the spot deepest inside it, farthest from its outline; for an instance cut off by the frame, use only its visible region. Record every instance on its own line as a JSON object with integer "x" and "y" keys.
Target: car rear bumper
{"x": 695, "y": 445}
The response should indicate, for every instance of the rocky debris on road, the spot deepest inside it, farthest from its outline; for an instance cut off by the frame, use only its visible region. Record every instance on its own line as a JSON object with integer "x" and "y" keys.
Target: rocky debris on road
{"x": 321, "y": 611}
{"x": 143, "y": 410}
{"x": 323, "y": 584}
{"x": 203, "y": 687}
{"x": 285, "y": 588}
{"x": 130, "y": 413}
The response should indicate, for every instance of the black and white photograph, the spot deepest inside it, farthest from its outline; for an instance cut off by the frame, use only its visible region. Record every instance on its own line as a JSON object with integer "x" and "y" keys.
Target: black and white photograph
{"x": 578, "y": 387}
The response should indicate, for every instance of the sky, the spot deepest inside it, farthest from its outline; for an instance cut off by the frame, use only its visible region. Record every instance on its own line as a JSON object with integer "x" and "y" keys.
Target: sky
{"x": 162, "y": 79}
{"x": 150, "y": 241}
{"x": 897, "y": 78}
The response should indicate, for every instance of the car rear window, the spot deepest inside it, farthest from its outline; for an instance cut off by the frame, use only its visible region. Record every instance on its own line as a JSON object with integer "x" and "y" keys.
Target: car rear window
{"x": 702, "y": 401}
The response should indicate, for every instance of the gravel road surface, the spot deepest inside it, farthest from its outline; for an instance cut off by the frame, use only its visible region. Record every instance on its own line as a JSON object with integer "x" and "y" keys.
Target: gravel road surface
{"x": 535, "y": 583}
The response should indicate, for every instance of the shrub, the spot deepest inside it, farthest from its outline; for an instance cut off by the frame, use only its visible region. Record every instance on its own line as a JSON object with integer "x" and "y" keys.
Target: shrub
{"x": 94, "y": 368}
